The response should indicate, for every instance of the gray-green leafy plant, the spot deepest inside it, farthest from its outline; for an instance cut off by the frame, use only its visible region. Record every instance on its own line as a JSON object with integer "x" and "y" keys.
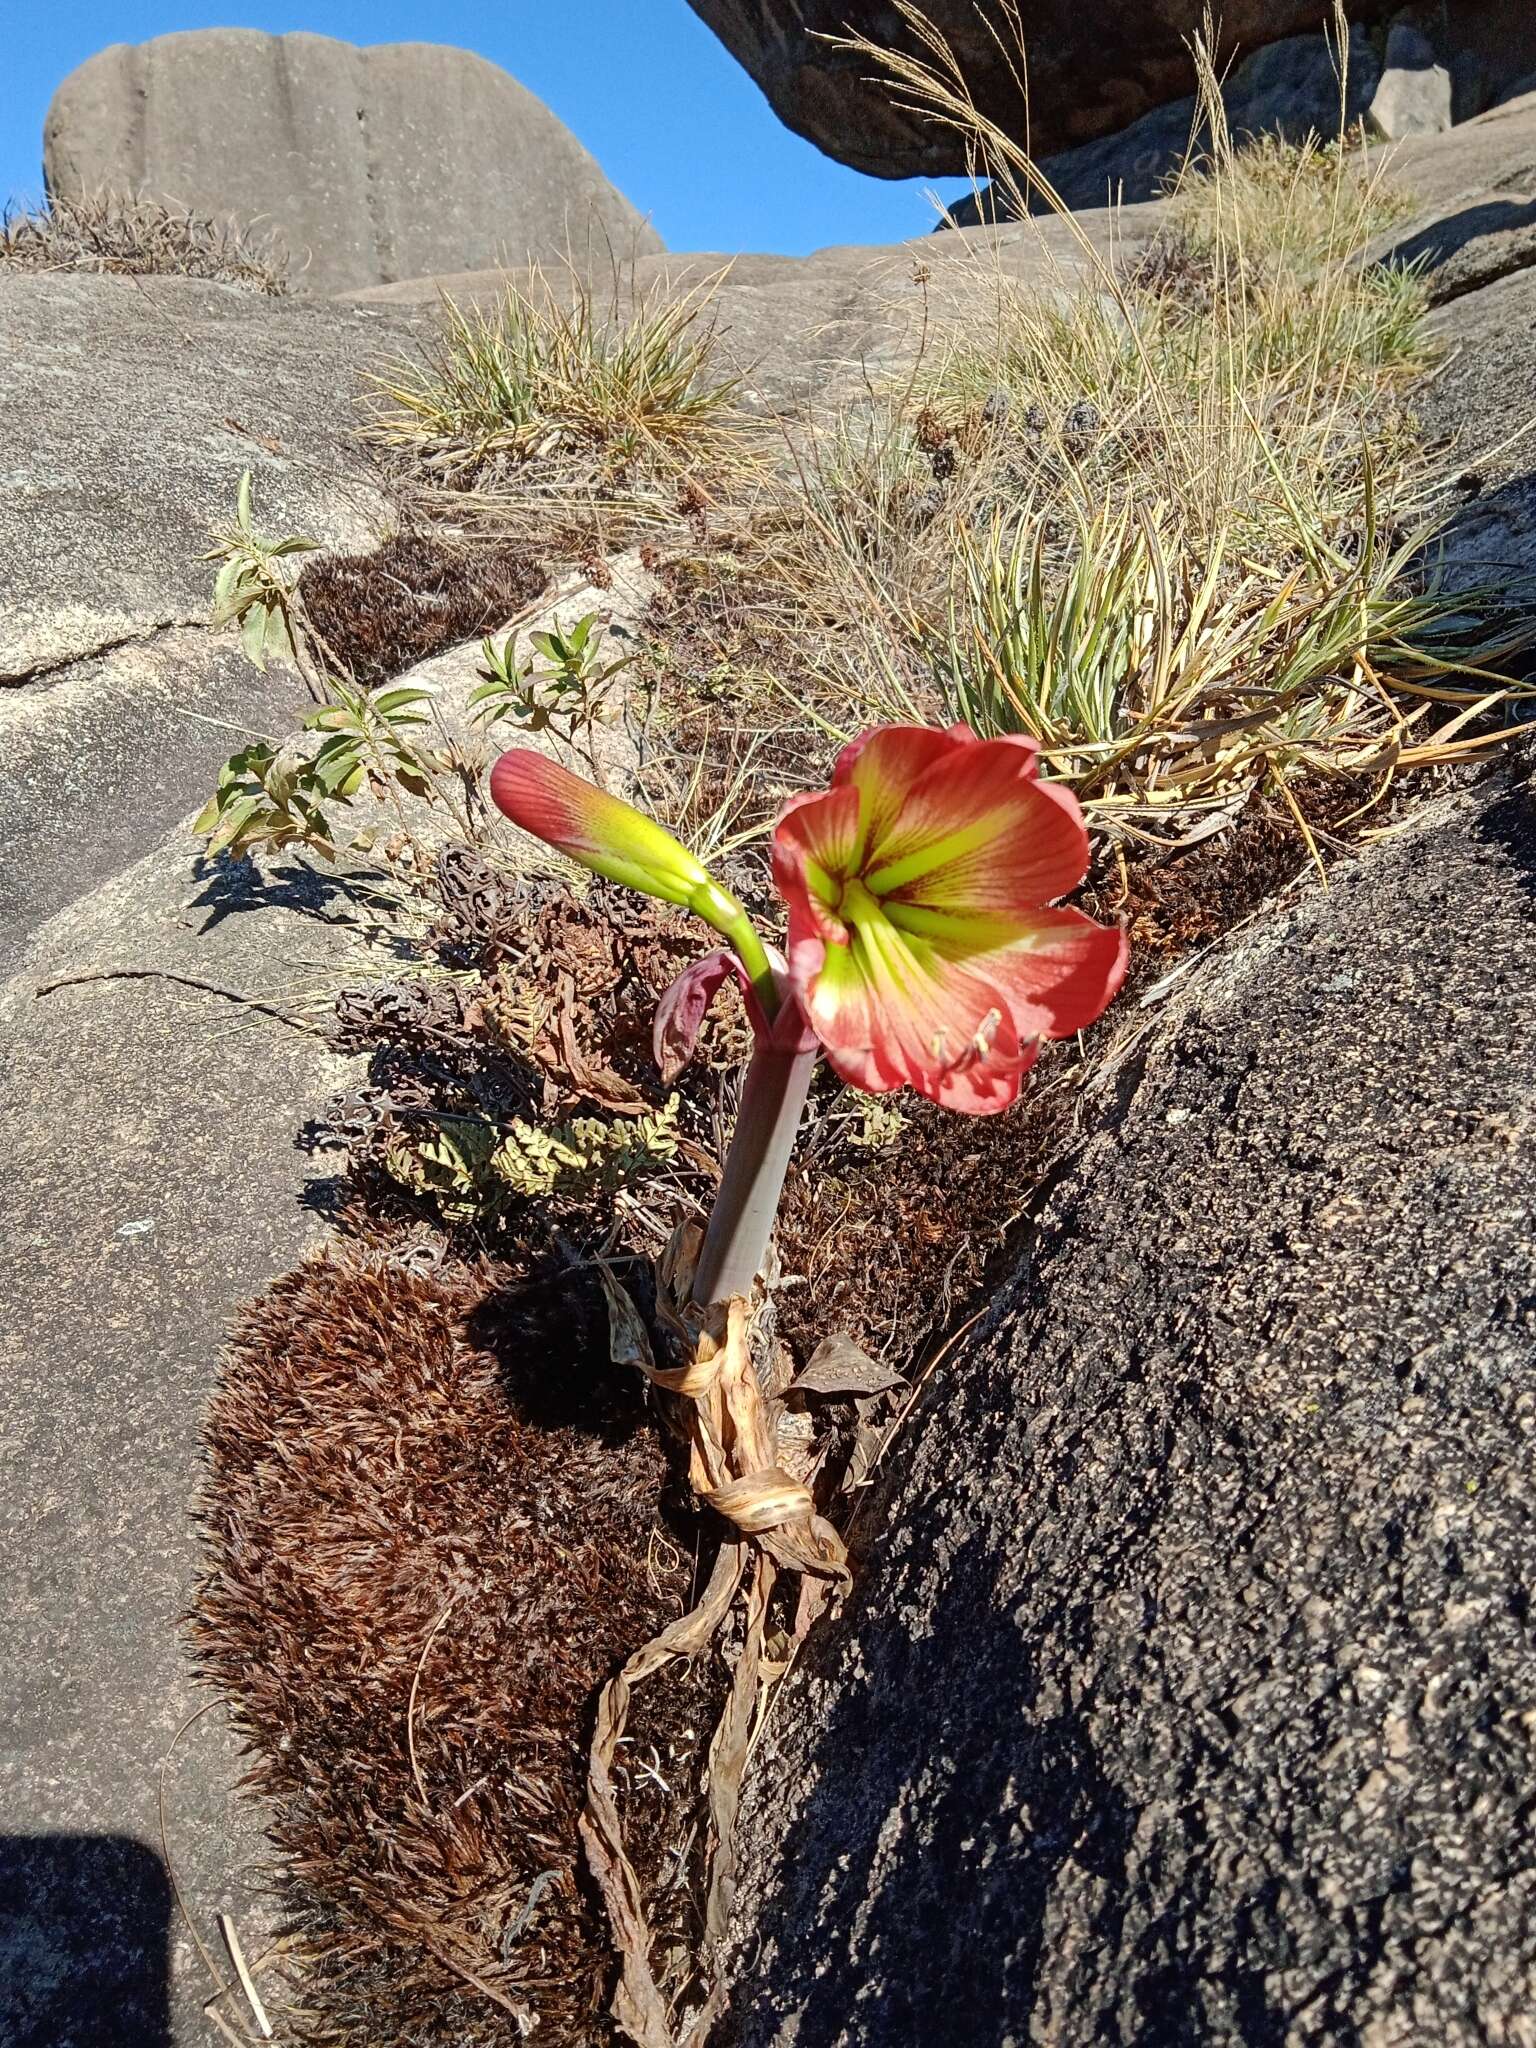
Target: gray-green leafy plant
{"x": 563, "y": 691}
{"x": 254, "y": 589}
{"x": 276, "y": 794}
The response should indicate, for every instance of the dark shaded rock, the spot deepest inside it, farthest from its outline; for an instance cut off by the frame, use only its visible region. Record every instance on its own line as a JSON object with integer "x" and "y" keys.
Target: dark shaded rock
{"x": 1187, "y": 1695}
{"x": 1289, "y": 89}
{"x": 1092, "y": 70}
{"x": 373, "y": 164}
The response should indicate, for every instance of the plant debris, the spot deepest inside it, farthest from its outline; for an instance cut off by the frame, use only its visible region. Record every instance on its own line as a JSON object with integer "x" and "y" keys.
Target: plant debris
{"x": 434, "y": 1524}
{"x": 124, "y": 234}
{"x": 378, "y": 614}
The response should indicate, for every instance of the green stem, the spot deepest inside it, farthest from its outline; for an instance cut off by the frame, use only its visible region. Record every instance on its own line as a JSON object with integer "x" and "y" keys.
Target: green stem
{"x": 720, "y": 909}
{"x": 740, "y": 1227}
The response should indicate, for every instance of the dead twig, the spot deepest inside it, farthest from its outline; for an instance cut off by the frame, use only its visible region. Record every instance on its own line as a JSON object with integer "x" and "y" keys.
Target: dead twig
{"x": 242, "y": 1971}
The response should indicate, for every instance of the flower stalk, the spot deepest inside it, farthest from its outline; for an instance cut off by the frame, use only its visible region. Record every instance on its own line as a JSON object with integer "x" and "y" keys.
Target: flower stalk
{"x": 740, "y": 1228}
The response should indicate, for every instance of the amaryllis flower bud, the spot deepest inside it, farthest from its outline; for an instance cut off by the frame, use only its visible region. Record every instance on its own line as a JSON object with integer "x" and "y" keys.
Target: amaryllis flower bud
{"x": 614, "y": 840}
{"x": 921, "y": 942}
{"x": 599, "y": 831}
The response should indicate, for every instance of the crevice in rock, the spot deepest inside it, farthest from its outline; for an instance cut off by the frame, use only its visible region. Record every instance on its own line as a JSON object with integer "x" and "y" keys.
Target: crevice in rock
{"x": 1464, "y": 281}
{"x": 383, "y": 240}
{"x": 47, "y": 671}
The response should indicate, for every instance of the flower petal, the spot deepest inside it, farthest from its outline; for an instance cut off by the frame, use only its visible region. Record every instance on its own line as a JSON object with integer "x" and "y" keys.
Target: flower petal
{"x": 883, "y": 765}
{"x": 891, "y": 1012}
{"x": 979, "y": 830}
{"x": 608, "y": 836}
{"x": 681, "y": 1012}
{"x": 813, "y": 847}
{"x": 1059, "y": 974}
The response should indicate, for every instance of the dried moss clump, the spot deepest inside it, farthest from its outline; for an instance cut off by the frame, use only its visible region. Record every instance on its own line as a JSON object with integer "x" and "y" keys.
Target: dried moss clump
{"x": 432, "y": 1529}
{"x": 380, "y": 613}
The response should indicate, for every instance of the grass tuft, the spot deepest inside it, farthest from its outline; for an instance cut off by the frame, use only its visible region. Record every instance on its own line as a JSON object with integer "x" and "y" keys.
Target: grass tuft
{"x": 1172, "y": 519}
{"x": 127, "y": 235}
{"x": 546, "y": 380}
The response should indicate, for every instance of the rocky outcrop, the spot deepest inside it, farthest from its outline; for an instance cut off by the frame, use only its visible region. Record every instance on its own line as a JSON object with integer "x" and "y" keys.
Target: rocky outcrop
{"x": 1187, "y": 1695}
{"x": 1092, "y": 69}
{"x": 372, "y": 164}
{"x": 129, "y": 410}
{"x": 812, "y": 330}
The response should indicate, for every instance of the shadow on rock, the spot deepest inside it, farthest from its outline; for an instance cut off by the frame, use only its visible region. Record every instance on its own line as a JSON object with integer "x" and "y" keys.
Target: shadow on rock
{"x": 960, "y": 1820}
{"x": 229, "y": 888}
{"x": 1492, "y": 239}
{"x": 84, "y": 1943}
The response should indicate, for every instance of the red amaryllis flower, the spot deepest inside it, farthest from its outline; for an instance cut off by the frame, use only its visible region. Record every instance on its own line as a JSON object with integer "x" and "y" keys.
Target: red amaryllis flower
{"x": 921, "y": 944}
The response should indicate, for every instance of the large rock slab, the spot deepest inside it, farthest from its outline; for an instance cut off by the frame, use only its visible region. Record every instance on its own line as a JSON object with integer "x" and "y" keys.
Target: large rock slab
{"x": 373, "y": 164}
{"x": 128, "y": 409}
{"x": 1188, "y": 1692}
{"x": 1476, "y": 189}
{"x": 1479, "y": 408}
{"x": 153, "y": 1180}
{"x": 94, "y": 766}
{"x": 1092, "y": 69}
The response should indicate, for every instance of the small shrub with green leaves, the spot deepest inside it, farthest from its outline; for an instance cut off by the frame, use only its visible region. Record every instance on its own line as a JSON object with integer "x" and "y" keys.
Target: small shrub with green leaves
{"x": 253, "y": 588}
{"x": 561, "y": 692}
{"x": 274, "y": 794}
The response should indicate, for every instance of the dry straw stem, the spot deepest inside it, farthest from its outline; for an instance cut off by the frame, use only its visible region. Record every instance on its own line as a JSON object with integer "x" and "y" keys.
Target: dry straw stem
{"x": 1170, "y": 518}
{"x": 125, "y": 234}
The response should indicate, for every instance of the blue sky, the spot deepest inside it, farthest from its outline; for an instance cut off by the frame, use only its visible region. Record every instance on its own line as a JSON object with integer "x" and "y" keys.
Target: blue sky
{"x": 673, "y": 119}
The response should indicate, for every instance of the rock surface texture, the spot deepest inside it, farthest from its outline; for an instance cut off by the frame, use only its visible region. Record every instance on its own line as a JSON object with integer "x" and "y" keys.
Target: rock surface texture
{"x": 373, "y": 164}
{"x": 129, "y": 409}
{"x": 1189, "y": 1694}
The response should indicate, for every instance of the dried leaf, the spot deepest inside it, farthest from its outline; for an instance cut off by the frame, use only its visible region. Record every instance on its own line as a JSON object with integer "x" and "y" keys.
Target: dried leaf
{"x": 638, "y": 2006}
{"x": 628, "y": 1340}
{"x": 837, "y": 1367}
